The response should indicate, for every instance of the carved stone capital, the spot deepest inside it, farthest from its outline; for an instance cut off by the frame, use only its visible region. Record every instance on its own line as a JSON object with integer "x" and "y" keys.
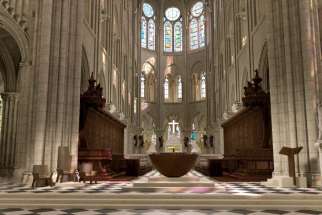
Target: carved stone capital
{"x": 9, "y": 96}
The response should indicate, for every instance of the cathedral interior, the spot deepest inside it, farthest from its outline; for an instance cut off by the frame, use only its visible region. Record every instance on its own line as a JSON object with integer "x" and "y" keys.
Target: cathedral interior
{"x": 160, "y": 107}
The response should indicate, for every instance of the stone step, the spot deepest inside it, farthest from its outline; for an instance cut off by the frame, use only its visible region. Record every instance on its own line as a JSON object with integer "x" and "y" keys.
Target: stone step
{"x": 183, "y": 201}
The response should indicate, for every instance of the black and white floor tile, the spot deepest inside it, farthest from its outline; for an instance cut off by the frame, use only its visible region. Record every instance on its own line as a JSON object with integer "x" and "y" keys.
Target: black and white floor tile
{"x": 75, "y": 211}
{"x": 126, "y": 187}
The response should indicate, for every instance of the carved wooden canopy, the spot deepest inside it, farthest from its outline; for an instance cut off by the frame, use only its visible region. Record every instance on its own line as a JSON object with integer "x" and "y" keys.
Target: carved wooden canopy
{"x": 254, "y": 95}
{"x": 92, "y": 98}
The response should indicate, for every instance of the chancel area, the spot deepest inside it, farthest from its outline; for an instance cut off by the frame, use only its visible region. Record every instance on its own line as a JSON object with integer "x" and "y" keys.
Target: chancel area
{"x": 161, "y": 104}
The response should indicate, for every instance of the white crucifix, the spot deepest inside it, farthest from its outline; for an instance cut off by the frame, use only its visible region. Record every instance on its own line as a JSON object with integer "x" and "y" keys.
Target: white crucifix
{"x": 174, "y": 127}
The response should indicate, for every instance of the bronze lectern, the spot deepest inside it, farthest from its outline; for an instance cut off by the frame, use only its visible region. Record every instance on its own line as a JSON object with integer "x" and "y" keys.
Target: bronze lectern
{"x": 290, "y": 152}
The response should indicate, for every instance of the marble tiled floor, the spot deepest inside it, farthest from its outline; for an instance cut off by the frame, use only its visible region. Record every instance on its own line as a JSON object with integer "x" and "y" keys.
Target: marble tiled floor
{"x": 75, "y": 211}
{"x": 235, "y": 188}
{"x": 124, "y": 187}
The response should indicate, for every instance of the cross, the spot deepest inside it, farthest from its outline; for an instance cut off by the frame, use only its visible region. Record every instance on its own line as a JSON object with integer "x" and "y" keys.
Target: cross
{"x": 173, "y": 126}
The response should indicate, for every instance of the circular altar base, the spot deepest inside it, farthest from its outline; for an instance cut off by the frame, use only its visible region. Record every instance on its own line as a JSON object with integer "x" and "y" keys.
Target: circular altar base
{"x": 175, "y": 164}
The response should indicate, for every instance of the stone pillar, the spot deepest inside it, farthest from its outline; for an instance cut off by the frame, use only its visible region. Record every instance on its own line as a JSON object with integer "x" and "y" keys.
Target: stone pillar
{"x": 8, "y": 133}
{"x": 292, "y": 63}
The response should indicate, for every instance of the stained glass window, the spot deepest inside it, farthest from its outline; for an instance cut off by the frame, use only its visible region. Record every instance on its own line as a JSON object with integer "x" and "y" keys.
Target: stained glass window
{"x": 179, "y": 88}
{"x": 197, "y": 26}
{"x": 151, "y": 34}
{"x": 193, "y": 34}
{"x": 203, "y": 86}
{"x": 172, "y": 13}
{"x": 143, "y": 32}
{"x": 178, "y": 37}
{"x": 173, "y": 30}
{"x": 148, "y": 27}
{"x": 148, "y": 10}
{"x": 142, "y": 86}
{"x": 197, "y": 9}
{"x": 166, "y": 88}
{"x": 202, "y": 38}
{"x": 168, "y": 36}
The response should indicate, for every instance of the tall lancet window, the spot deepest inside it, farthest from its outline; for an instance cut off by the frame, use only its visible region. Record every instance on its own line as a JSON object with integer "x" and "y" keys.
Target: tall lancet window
{"x": 166, "y": 88}
{"x": 143, "y": 32}
{"x": 172, "y": 30}
{"x": 148, "y": 27}
{"x": 178, "y": 37}
{"x": 197, "y": 28}
{"x": 179, "y": 88}
{"x": 203, "y": 86}
{"x": 142, "y": 86}
{"x": 151, "y": 35}
{"x": 167, "y": 37}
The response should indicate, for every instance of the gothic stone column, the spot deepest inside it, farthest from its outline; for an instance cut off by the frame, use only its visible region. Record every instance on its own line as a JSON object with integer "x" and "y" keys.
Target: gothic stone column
{"x": 293, "y": 90}
{"x": 8, "y": 133}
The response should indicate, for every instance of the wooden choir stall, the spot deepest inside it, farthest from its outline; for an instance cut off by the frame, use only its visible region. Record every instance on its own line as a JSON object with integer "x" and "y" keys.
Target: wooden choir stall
{"x": 247, "y": 136}
{"x": 101, "y": 137}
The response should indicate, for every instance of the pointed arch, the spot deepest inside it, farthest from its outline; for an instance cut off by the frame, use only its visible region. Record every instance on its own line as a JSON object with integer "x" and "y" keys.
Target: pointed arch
{"x": 197, "y": 28}
{"x": 21, "y": 38}
{"x": 148, "y": 27}
{"x": 8, "y": 69}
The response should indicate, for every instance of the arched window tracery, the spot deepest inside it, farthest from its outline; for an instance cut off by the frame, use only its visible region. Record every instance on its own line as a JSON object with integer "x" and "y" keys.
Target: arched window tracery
{"x": 199, "y": 86}
{"x": 173, "y": 30}
{"x": 148, "y": 27}
{"x": 197, "y": 28}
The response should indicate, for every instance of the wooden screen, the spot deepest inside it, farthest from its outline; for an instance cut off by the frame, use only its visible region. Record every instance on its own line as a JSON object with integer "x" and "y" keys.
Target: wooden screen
{"x": 247, "y": 135}
{"x": 102, "y": 131}
{"x": 101, "y": 135}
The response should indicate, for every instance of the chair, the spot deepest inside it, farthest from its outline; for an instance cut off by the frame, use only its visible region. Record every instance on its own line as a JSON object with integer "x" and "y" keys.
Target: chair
{"x": 42, "y": 177}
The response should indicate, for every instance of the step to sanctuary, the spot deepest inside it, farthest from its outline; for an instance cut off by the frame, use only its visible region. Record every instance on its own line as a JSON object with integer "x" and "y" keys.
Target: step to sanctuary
{"x": 155, "y": 179}
{"x": 161, "y": 201}
{"x": 132, "y": 195}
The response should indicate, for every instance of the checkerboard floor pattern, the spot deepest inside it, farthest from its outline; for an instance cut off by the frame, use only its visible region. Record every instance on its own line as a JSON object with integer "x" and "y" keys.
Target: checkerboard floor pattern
{"x": 121, "y": 187}
{"x": 75, "y": 211}
{"x": 126, "y": 187}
